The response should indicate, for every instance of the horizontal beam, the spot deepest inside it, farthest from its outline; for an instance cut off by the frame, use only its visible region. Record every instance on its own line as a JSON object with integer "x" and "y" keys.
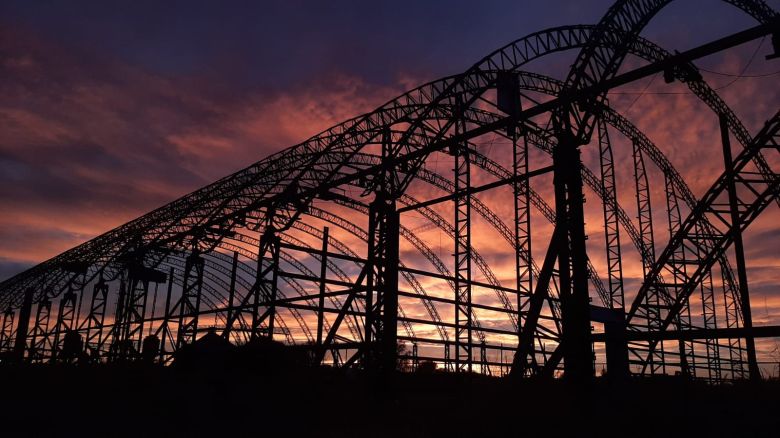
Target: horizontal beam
{"x": 303, "y": 277}
{"x": 771, "y": 331}
{"x": 319, "y": 252}
{"x": 461, "y": 280}
{"x": 476, "y": 361}
{"x": 472, "y": 325}
{"x": 472, "y": 190}
{"x": 452, "y": 302}
{"x": 474, "y": 345}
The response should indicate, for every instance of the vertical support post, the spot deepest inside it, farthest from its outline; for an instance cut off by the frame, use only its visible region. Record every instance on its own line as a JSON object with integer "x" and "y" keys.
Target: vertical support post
{"x": 77, "y": 316}
{"x": 7, "y": 330}
{"x": 189, "y": 307}
{"x": 40, "y": 333}
{"x": 231, "y": 296}
{"x": 152, "y": 317}
{"x": 611, "y": 226}
{"x": 65, "y": 315}
{"x": 20, "y": 343}
{"x": 381, "y": 335}
{"x": 679, "y": 276}
{"x": 323, "y": 277}
{"x": 96, "y": 316}
{"x": 135, "y": 308}
{"x": 739, "y": 251}
{"x": 116, "y": 337}
{"x": 447, "y": 360}
{"x": 164, "y": 330}
{"x": 256, "y": 291}
{"x": 463, "y": 311}
{"x": 522, "y": 200}
{"x": 483, "y": 358}
{"x": 275, "y": 248}
{"x": 572, "y": 259}
{"x": 732, "y": 317}
{"x": 390, "y": 293}
{"x": 265, "y": 289}
{"x": 382, "y": 299}
{"x": 652, "y": 299}
{"x": 509, "y": 100}
{"x": 368, "y": 334}
{"x": 502, "y": 370}
{"x": 710, "y": 322}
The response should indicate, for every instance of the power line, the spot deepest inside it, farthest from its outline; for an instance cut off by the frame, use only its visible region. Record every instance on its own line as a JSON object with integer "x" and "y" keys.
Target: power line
{"x": 750, "y": 61}
{"x": 722, "y": 87}
{"x": 765, "y": 75}
{"x": 650, "y": 82}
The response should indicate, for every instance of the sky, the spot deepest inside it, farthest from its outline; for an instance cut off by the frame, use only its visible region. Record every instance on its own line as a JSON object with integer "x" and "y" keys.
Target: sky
{"x": 110, "y": 109}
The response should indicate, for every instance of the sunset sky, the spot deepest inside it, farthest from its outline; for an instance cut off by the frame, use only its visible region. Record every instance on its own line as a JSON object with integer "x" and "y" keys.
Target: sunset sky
{"x": 110, "y": 109}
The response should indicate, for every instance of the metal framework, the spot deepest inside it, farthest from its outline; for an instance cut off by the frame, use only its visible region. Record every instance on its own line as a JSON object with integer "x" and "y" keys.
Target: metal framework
{"x": 336, "y": 243}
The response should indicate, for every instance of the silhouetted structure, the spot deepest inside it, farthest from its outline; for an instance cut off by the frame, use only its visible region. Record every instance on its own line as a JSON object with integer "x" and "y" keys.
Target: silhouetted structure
{"x": 254, "y": 255}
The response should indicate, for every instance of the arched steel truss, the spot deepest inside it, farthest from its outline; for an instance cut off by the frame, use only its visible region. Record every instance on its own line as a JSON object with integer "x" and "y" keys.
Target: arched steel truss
{"x": 315, "y": 245}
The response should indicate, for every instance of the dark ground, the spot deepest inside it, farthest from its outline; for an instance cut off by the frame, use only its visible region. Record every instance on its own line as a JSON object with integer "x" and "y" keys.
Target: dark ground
{"x": 141, "y": 401}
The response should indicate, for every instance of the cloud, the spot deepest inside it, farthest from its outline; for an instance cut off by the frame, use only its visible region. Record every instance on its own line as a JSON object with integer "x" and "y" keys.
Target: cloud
{"x": 9, "y": 268}
{"x": 87, "y": 143}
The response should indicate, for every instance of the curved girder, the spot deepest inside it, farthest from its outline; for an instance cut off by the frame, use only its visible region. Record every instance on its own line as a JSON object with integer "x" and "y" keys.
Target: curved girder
{"x": 236, "y": 180}
{"x": 513, "y": 55}
{"x": 224, "y": 204}
{"x": 598, "y": 61}
{"x": 755, "y": 194}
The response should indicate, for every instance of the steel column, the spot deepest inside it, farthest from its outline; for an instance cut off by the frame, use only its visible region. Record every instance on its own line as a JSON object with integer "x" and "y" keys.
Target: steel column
{"x": 611, "y": 226}
{"x": 739, "y": 251}
{"x": 463, "y": 312}
{"x": 20, "y": 342}
{"x": 96, "y": 317}
{"x": 674, "y": 217}
{"x": 323, "y": 279}
{"x": 7, "y": 331}
{"x": 572, "y": 259}
{"x": 189, "y": 304}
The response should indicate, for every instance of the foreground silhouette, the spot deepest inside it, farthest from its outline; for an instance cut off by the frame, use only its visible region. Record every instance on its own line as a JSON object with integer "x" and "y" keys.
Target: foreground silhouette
{"x": 257, "y": 397}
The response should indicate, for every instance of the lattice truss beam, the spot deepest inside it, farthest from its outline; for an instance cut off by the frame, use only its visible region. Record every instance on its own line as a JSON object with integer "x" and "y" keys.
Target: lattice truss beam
{"x": 379, "y": 242}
